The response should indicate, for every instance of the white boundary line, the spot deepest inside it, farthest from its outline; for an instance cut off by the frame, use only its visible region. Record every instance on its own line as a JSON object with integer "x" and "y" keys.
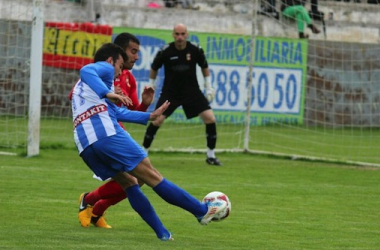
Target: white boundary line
{"x": 7, "y": 153}
{"x": 266, "y": 153}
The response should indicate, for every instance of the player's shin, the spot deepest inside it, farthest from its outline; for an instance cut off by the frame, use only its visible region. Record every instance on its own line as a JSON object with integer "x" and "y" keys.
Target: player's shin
{"x": 211, "y": 135}
{"x": 175, "y": 195}
{"x": 101, "y": 206}
{"x": 142, "y": 206}
{"x": 149, "y": 135}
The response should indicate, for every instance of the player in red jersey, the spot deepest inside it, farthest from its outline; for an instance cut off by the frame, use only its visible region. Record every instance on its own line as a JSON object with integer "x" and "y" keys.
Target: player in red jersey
{"x": 111, "y": 192}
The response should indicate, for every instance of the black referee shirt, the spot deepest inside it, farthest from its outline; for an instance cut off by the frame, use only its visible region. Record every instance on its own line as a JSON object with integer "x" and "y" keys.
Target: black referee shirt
{"x": 180, "y": 68}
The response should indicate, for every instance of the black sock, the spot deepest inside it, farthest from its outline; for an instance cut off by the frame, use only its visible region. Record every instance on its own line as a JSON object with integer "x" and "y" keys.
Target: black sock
{"x": 211, "y": 135}
{"x": 149, "y": 135}
{"x": 95, "y": 219}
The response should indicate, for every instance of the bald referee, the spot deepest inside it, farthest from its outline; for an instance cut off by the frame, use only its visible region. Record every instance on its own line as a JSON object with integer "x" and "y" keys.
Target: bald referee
{"x": 181, "y": 87}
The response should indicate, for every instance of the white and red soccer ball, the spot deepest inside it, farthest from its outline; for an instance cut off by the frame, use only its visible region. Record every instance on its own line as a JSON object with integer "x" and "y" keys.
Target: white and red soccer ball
{"x": 219, "y": 196}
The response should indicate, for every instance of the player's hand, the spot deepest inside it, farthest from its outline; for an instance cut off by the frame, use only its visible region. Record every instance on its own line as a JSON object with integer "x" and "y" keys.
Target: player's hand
{"x": 147, "y": 95}
{"x": 119, "y": 91}
{"x": 115, "y": 98}
{"x": 210, "y": 94}
{"x": 158, "y": 112}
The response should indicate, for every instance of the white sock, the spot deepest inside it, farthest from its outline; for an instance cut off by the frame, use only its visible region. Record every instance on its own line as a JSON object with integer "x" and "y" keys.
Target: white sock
{"x": 210, "y": 153}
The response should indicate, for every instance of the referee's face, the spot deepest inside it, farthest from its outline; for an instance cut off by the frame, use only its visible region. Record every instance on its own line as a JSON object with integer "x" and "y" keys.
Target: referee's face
{"x": 180, "y": 37}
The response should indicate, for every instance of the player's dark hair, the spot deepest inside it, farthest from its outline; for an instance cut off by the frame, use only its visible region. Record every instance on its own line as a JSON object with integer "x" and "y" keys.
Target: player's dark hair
{"x": 109, "y": 50}
{"x": 124, "y": 38}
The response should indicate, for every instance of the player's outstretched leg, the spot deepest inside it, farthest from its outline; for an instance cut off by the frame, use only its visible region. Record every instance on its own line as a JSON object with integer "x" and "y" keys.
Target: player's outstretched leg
{"x": 175, "y": 195}
{"x": 142, "y": 206}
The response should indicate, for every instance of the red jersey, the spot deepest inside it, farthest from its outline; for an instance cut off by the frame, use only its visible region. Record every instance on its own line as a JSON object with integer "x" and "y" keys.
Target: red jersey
{"x": 127, "y": 82}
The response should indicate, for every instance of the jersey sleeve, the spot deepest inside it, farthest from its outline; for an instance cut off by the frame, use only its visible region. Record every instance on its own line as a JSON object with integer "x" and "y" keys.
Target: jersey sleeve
{"x": 126, "y": 115}
{"x": 99, "y": 77}
{"x": 158, "y": 60}
{"x": 202, "y": 61}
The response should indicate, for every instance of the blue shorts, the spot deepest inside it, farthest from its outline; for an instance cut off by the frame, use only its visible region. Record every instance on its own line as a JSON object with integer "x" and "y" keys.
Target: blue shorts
{"x": 111, "y": 155}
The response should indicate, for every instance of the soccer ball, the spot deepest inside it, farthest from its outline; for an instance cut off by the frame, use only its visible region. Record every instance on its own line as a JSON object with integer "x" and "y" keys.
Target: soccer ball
{"x": 215, "y": 196}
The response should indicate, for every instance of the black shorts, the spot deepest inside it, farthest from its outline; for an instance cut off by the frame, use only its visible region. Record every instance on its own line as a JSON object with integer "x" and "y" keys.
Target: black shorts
{"x": 192, "y": 105}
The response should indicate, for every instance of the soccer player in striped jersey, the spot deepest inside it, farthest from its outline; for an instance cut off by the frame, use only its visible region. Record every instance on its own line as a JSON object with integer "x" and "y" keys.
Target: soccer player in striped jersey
{"x": 111, "y": 193}
{"x": 110, "y": 152}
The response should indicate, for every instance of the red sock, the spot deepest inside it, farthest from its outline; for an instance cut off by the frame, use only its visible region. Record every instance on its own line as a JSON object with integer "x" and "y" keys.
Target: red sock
{"x": 103, "y": 204}
{"x": 110, "y": 189}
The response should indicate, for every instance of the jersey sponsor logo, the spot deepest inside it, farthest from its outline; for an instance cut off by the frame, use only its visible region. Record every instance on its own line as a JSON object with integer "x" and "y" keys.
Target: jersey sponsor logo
{"x": 89, "y": 113}
{"x": 174, "y": 58}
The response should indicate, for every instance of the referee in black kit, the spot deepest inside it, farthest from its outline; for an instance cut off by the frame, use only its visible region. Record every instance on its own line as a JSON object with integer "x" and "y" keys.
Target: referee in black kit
{"x": 181, "y": 87}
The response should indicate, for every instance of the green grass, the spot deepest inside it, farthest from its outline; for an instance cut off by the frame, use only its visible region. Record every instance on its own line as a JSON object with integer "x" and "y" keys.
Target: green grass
{"x": 341, "y": 144}
{"x": 276, "y": 204}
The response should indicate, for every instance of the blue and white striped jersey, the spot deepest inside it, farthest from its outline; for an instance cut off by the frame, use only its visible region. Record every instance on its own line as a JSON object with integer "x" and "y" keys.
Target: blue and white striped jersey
{"x": 94, "y": 116}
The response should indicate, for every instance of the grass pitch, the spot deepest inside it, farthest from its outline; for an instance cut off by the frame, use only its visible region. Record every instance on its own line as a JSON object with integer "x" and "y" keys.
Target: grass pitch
{"x": 276, "y": 204}
{"x": 349, "y": 144}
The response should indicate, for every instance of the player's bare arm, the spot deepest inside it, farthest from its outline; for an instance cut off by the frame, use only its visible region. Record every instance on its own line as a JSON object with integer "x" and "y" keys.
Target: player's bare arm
{"x": 158, "y": 112}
